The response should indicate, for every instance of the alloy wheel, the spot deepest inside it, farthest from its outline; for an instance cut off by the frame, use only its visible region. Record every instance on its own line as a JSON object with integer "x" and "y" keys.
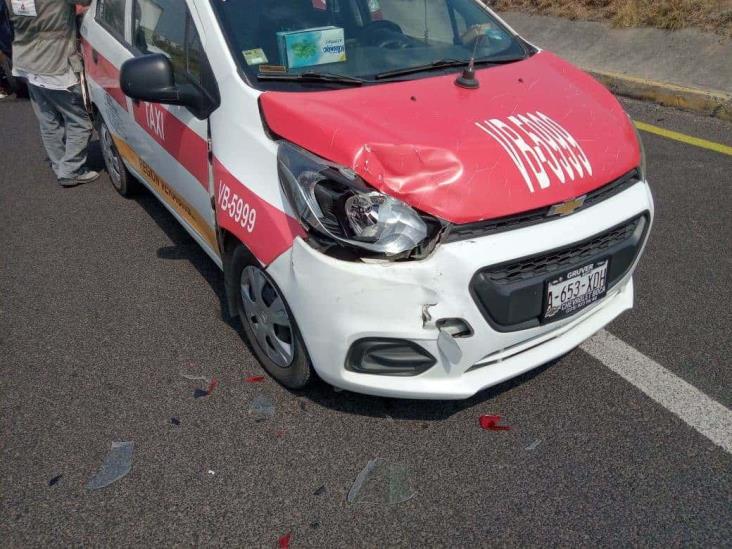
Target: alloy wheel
{"x": 267, "y": 316}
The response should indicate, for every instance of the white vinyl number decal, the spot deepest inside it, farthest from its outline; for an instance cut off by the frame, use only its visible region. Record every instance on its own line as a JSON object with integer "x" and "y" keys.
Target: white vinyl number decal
{"x": 540, "y": 148}
{"x": 237, "y": 208}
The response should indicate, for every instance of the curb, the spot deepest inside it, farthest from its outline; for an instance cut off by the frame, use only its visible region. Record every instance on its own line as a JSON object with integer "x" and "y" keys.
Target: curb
{"x": 716, "y": 104}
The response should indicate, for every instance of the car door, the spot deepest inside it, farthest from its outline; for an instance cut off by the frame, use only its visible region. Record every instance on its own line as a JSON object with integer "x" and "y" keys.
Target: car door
{"x": 104, "y": 44}
{"x": 171, "y": 142}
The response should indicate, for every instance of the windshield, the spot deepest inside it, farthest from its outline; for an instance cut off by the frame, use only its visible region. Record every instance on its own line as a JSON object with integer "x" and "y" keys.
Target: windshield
{"x": 365, "y": 39}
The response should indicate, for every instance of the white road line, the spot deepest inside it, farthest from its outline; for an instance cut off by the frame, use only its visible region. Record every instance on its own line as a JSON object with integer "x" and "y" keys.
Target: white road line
{"x": 707, "y": 416}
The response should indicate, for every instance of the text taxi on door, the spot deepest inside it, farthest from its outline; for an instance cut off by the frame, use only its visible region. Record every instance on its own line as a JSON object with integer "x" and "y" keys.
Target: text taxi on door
{"x": 384, "y": 214}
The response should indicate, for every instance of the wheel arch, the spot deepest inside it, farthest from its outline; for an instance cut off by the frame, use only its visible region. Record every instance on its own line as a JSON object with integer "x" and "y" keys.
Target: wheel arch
{"x": 229, "y": 243}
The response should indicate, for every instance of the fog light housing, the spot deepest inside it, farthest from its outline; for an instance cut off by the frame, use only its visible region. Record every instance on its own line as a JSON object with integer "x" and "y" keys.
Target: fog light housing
{"x": 388, "y": 357}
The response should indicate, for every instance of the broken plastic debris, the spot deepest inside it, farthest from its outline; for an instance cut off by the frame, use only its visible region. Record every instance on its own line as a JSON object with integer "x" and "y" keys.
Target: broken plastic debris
{"x": 533, "y": 445}
{"x": 262, "y": 408}
{"x": 54, "y": 480}
{"x": 254, "y": 379}
{"x": 196, "y": 378}
{"x": 174, "y": 421}
{"x": 449, "y": 347}
{"x": 199, "y": 393}
{"x": 211, "y": 472}
{"x": 426, "y": 316}
{"x": 320, "y": 491}
{"x": 116, "y": 465}
{"x": 284, "y": 541}
{"x": 490, "y": 423}
{"x": 381, "y": 482}
{"x": 211, "y": 384}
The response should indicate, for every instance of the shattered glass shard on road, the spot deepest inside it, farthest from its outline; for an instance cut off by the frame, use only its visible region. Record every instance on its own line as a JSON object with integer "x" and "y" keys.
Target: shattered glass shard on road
{"x": 382, "y": 482}
{"x": 117, "y": 464}
{"x": 261, "y": 407}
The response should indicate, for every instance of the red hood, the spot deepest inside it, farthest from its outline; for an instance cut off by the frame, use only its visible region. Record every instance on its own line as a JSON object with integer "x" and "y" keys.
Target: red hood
{"x": 536, "y": 133}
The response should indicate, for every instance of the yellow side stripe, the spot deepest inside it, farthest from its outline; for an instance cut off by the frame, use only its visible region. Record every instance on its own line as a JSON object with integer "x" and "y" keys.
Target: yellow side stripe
{"x": 689, "y": 140}
{"x": 166, "y": 192}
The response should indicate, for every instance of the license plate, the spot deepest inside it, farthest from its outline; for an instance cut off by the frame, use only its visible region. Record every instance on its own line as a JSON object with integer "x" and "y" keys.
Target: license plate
{"x": 576, "y": 290}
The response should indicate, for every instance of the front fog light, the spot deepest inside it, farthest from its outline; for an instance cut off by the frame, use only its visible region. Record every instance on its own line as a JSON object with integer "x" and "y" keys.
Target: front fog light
{"x": 388, "y": 357}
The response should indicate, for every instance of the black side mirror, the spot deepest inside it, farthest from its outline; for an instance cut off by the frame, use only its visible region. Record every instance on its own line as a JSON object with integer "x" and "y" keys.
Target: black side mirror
{"x": 150, "y": 78}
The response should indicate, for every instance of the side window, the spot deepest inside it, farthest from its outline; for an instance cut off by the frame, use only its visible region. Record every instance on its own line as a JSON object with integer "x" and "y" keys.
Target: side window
{"x": 195, "y": 58}
{"x": 111, "y": 14}
{"x": 166, "y": 26}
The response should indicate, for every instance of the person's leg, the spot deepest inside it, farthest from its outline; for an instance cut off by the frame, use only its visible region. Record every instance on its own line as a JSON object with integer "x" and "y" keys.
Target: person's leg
{"x": 51, "y": 125}
{"x": 78, "y": 132}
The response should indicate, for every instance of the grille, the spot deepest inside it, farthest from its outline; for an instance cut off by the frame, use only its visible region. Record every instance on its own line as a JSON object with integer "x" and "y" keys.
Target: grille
{"x": 561, "y": 260}
{"x": 533, "y": 217}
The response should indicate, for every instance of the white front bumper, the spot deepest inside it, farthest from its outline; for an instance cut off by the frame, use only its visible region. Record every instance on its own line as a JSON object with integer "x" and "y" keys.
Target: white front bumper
{"x": 338, "y": 302}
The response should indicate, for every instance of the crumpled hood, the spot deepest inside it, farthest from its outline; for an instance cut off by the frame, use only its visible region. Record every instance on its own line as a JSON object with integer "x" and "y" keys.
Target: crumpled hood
{"x": 536, "y": 133}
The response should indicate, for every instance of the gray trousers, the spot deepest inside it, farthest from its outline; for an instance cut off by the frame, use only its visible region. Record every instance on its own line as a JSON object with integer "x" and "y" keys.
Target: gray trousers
{"x": 65, "y": 128}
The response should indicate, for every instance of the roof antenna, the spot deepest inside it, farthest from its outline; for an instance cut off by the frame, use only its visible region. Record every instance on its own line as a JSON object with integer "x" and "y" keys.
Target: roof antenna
{"x": 467, "y": 79}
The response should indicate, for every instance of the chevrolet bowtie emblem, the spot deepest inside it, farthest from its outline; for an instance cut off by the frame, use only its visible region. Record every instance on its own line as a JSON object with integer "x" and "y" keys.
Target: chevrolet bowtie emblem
{"x": 568, "y": 207}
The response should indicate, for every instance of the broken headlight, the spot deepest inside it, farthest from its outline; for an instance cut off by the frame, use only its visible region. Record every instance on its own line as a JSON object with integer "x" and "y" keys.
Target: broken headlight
{"x": 337, "y": 204}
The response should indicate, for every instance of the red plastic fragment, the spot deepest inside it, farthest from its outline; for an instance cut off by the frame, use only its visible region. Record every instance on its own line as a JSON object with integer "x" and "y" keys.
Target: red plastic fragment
{"x": 254, "y": 379}
{"x": 490, "y": 423}
{"x": 284, "y": 541}
{"x": 212, "y": 385}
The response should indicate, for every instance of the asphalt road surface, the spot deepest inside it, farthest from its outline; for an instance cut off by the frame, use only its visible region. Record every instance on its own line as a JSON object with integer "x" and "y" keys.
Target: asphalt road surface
{"x": 105, "y": 301}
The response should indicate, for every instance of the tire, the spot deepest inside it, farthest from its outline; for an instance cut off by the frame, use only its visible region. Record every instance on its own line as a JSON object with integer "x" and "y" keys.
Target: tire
{"x": 267, "y": 323}
{"x": 122, "y": 180}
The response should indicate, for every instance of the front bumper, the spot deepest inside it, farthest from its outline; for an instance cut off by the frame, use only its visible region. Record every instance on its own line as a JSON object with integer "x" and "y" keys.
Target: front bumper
{"x": 336, "y": 303}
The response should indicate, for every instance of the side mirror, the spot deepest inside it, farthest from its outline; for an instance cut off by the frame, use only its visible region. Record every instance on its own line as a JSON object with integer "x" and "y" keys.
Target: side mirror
{"x": 150, "y": 78}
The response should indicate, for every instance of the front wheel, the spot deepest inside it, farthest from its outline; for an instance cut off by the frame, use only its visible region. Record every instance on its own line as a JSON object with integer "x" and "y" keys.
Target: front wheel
{"x": 268, "y": 325}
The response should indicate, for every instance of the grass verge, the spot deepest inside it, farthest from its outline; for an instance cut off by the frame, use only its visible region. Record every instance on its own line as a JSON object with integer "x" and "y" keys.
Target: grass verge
{"x": 709, "y": 15}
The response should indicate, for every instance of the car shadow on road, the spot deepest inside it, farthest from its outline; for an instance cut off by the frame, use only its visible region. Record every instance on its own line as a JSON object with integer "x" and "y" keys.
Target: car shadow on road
{"x": 184, "y": 248}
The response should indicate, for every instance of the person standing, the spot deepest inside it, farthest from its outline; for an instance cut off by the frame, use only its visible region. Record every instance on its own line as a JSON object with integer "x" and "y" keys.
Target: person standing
{"x": 45, "y": 54}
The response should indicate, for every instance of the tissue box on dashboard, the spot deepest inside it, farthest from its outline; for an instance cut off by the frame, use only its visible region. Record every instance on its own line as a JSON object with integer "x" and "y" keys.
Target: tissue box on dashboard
{"x": 305, "y": 48}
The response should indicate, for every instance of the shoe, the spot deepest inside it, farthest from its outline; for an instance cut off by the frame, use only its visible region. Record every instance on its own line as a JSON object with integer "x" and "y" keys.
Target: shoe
{"x": 86, "y": 177}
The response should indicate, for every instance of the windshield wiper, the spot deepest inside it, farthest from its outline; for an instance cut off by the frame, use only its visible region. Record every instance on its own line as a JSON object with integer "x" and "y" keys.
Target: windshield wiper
{"x": 311, "y": 76}
{"x": 446, "y": 63}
